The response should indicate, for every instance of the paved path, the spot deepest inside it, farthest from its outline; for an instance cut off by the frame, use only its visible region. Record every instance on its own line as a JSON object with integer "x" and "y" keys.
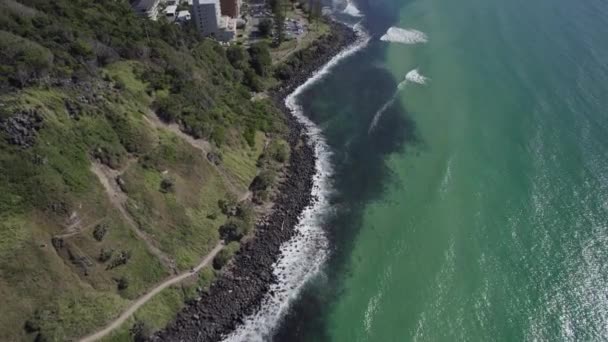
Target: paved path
{"x": 143, "y": 299}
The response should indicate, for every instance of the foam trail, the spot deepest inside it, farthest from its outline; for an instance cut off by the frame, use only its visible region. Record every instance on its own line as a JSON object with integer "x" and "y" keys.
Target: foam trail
{"x": 302, "y": 256}
{"x": 352, "y": 10}
{"x": 404, "y": 36}
{"x": 379, "y": 114}
{"x": 413, "y": 76}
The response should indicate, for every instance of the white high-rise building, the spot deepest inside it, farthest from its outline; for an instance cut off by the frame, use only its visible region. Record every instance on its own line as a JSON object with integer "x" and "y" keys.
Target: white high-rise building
{"x": 207, "y": 15}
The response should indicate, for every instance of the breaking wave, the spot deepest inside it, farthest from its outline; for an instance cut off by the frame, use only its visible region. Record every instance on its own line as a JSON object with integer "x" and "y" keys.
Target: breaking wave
{"x": 302, "y": 256}
{"x": 352, "y": 10}
{"x": 404, "y": 36}
{"x": 415, "y": 77}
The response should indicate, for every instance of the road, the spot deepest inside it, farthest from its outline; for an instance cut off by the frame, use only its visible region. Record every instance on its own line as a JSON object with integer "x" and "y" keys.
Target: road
{"x": 145, "y": 298}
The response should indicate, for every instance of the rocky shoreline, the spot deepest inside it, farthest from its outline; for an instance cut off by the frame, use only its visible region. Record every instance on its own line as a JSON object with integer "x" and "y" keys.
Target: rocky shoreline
{"x": 239, "y": 291}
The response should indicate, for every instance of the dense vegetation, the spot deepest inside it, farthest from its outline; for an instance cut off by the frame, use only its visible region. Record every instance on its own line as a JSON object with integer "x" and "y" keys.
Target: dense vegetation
{"x": 80, "y": 84}
{"x": 44, "y": 43}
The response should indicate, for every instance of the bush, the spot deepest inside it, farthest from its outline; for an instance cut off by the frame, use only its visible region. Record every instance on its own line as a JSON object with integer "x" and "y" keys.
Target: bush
{"x": 238, "y": 57}
{"x": 23, "y": 60}
{"x": 224, "y": 256}
{"x": 234, "y": 230}
{"x": 167, "y": 185}
{"x": 245, "y": 212}
{"x": 279, "y": 150}
{"x": 122, "y": 283}
{"x": 140, "y": 331}
{"x": 261, "y": 60}
{"x": 263, "y": 181}
{"x": 122, "y": 259}
{"x": 100, "y": 231}
{"x": 105, "y": 255}
{"x": 283, "y": 72}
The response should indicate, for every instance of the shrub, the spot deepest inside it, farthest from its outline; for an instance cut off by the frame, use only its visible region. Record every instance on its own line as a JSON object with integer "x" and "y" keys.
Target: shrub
{"x": 167, "y": 185}
{"x": 122, "y": 283}
{"x": 238, "y": 57}
{"x": 279, "y": 150}
{"x": 105, "y": 255}
{"x": 234, "y": 230}
{"x": 140, "y": 331}
{"x": 224, "y": 256}
{"x": 263, "y": 181}
{"x": 261, "y": 60}
{"x": 122, "y": 259}
{"x": 100, "y": 231}
{"x": 245, "y": 212}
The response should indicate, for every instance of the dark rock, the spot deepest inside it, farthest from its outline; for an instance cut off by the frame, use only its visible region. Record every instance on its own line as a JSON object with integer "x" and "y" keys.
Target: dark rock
{"x": 21, "y": 128}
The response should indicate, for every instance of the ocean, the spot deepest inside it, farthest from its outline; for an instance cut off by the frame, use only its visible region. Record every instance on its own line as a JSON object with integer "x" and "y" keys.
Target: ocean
{"x": 463, "y": 179}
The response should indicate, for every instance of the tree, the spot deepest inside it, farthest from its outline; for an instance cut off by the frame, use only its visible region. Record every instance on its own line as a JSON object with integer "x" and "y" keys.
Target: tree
{"x": 265, "y": 27}
{"x": 222, "y": 258}
{"x": 252, "y": 80}
{"x": 262, "y": 181}
{"x": 261, "y": 61}
{"x": 234, "y": 229}
{"x": 238, "y": 57}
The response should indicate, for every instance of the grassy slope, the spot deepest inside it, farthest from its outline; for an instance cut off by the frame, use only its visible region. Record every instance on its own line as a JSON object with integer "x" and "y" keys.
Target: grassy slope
{"x": 40, "y": 284}
{"x": 48, "y": 187}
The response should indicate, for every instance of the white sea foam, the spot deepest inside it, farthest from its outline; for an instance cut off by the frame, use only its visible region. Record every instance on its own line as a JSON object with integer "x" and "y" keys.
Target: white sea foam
{"x": 352, "y": 10}
{"x": 302, "y": 256}
{"x": 404, "y": 36}
{"x": 415, "y": 77}
{"x": 412, "y": 76}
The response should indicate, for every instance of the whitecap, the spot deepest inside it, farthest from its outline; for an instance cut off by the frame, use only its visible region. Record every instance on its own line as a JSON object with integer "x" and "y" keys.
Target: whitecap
{"x": 352, "y": 10}
{"x": 415, "y": 77}
{"x": 404, "y": 36}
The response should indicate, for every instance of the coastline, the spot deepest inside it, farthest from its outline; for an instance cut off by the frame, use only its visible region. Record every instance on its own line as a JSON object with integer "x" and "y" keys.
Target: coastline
{"x": 238, "y": 292}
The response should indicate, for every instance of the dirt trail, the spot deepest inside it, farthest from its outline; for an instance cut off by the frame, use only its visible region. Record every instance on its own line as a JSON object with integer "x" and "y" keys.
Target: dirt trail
{"x": 107, "y": 177}
{"x": 145, "y": 298}
{"x": 203, "y": 146}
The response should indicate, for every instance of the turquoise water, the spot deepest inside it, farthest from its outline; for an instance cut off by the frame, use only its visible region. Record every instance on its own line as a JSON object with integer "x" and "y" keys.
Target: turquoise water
{"x": 477, "y": 208}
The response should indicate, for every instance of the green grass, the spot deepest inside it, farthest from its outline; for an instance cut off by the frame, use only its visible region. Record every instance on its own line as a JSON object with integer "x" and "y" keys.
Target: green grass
{"x": 36, "y": 282}
{"x": 178, "y": 221}
{"x": 124, "y": 72}
{"x": 242, "y": 162}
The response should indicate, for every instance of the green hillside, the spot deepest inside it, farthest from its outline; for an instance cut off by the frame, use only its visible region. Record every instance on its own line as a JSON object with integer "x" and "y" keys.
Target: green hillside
{"x": 118, "y": 138}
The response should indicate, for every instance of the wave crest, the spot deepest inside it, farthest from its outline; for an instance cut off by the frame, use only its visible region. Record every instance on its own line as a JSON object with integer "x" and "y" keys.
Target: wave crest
{"x": 352, "y": 10}
{"x": 415, "y": 77}
{"x": 404, "y": 36}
